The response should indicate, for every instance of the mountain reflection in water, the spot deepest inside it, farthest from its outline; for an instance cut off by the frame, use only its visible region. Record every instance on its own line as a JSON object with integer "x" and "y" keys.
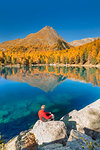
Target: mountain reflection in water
{"x": 48, "y": 77}
{"x": 61, "y": 89}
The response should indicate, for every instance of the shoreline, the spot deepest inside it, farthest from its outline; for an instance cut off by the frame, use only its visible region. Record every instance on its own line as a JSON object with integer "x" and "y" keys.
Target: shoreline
{"x": 68, "y": 65}
{"x": 56, "y": 65}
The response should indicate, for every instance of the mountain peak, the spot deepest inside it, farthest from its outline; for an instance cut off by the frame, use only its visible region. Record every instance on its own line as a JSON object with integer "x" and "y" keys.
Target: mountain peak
{"x": 47, "y": 27}
{"x": 46, "y": 37}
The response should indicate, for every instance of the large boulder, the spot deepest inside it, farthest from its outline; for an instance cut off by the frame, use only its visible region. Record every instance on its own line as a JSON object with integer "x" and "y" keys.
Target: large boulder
{"x": 80, "y": 141}
{"x": 52, "y": 131}
{"x": 86, "y": 120}
{"x": 76, "y": 141}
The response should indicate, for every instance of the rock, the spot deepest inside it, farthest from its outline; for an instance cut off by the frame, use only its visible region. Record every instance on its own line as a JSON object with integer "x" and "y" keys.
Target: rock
{"x": 80, "y": 141}
{"x": 86, "y": 120}
{"x": 52, "y": 131}
{"x": 76, "y": 141}
{"x": 54, "y": 146}
{"x": 26, "y": 141}
{"x": 11, "y": 145}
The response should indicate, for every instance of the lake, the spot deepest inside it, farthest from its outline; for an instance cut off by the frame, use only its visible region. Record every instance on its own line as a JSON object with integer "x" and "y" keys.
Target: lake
{"x": 61, "y": 89}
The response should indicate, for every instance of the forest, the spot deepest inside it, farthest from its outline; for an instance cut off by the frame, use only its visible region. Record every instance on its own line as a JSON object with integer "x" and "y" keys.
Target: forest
{"x": 26, "y": 55}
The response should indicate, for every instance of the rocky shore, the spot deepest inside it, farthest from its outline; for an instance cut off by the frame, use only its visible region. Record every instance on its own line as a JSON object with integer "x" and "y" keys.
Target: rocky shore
{"x": 77, "y": 130}
{"x": 57, "y": 65}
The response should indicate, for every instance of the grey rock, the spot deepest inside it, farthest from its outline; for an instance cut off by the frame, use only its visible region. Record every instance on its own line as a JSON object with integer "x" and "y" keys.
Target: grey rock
{"x": 80, "y": 141}
{"x": 46, "y": 132}
{"x": 76, "y": 141}
{"x": 86, "y": 120}
{"x": 54, "y": 146}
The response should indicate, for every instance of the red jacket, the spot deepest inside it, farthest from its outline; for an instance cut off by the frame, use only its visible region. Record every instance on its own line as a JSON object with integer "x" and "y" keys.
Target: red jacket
{"x": 43, "y": 114}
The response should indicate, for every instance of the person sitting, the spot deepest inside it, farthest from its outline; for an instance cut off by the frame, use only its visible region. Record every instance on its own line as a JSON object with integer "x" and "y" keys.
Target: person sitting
{"x": 45, "y": 116}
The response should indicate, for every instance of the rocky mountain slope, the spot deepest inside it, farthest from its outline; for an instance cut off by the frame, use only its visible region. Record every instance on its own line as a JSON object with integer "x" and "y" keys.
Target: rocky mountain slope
{"x": 45, "y": 37}
{"x": 82, "y": 41}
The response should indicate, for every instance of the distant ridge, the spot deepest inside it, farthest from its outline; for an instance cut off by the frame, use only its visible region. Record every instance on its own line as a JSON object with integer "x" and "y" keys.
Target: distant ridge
{"x": 45, "y": 37}
{"x": 82, "y": 41}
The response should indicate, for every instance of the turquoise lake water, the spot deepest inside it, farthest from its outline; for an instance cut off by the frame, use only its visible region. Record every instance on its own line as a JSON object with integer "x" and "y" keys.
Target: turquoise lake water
{"x": 61, "y": 89}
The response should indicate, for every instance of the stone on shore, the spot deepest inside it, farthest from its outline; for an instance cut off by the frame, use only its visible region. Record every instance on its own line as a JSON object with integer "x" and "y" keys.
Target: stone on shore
{"x": 80, "y": 141}
{"x": 76, "y": 141}
{"x": 86, "y": 120}
{"x": 24, "y": 141}
{"x": 47, "y": 132}
{"x": 11, "y": 145}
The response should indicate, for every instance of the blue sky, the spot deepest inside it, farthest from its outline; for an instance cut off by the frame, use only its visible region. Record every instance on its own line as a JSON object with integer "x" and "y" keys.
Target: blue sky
{"x": 72, "y": 19}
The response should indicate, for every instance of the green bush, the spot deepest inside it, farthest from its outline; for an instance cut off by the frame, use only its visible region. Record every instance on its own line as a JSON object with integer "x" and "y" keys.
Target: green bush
{"x": 2, "y": 145}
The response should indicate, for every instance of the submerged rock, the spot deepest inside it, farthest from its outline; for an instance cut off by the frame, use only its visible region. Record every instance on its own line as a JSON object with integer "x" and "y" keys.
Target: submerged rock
{"x": 52, "y": 131}
{"x": 86, "y": 120}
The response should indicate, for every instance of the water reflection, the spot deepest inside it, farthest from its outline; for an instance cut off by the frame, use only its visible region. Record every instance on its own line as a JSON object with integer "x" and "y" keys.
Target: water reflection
{"x": 48, "y": 77}
{"x": 49, "y": 85}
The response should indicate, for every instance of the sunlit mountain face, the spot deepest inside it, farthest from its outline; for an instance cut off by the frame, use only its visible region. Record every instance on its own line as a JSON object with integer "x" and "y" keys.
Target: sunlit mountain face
{"x": 61, "y": 89}
{"x": 47, "y": 36}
